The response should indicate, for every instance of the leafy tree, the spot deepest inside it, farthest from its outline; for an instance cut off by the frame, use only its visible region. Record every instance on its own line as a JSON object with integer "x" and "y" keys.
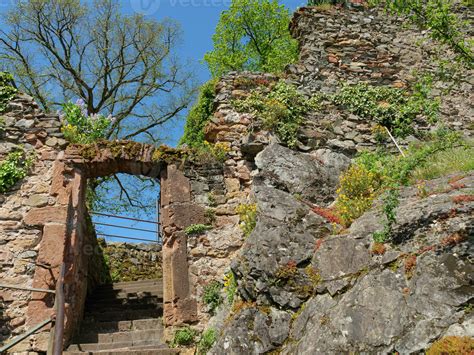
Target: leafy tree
{"x": 122, "y": 66}
{"x": 252, "y": 35}
{"x": 119, "y": 65}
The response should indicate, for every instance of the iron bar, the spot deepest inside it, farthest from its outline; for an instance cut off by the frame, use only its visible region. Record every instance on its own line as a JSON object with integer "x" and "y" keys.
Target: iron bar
{"x": 25, "y": 335}
{"x": 158, "y": 220}
{"x": 59, "y": 322}
{"x": 124, "y": 227}
{"x": 121, "y": 217}
{"x": 27, "y": 288}
{"x": 122, "y": 237}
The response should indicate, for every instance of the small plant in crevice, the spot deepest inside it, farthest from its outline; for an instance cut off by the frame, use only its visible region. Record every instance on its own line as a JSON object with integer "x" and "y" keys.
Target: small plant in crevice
{"x": 210, "y": 153}
{"x": 410, "y": 264}
{"x": 282, "y": 110}
{"x": 390, "y": 203}
{"x": 80, "y": 127}
{"x": 196, "y": 229}
{"x": 14, "y": 168}
{"x": 248, "y": 217}
{"x": 230, "y": 286}
{"x": 212, "y": 296}
{"x": 378, "y": 248}
{"x": 183, "y": 337}
{"x": 208, "y": 338}
{"x": 210, "y": 215}
{"x": 286, "y": 272}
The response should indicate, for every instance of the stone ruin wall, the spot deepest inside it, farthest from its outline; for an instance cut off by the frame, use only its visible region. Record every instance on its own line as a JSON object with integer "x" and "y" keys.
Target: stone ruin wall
{"x": 360, "y": 45}
{"x": 47, "y": 207}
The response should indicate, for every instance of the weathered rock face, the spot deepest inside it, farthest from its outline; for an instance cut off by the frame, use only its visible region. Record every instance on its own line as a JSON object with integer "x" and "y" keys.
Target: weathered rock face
{"x": 419, "y": 290}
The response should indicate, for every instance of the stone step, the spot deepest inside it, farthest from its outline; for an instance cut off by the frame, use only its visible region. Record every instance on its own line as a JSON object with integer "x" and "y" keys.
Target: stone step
{"x": 91, "y": 347}
{"x": 121, "y": 337}
{"x": 117, "y": 306}
{"x": 149, "y": 351}
{"x": 130, "y": 286}
{"x": 134, "y": 283}
{"x": 119, "y": 293}
{"x": 123, "y": 326}
{"x": 123, "y": 315}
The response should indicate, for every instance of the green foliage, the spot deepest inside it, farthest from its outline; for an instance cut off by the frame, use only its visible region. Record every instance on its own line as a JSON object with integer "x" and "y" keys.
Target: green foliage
{"x": 183, "y": 337}
{"x": 199, "y": 115}
{"x": 207, "y": 340}
{"x": 212, "y": 296}
{"x": 459, "y": 159}
{"x": 376, "y": 172}
{"x": 230, "y": 286}
{"x": 14, "y": 168}
{"x": 325, "y": 3}
{"x": 79, "y": 127}
{"x": 248, "y": 217}
{"x": 393, "y": 108}
{"x": 390, "y": 204}
{"x": 7, "y": 91}
{"x": 281, "y": 110}
{"x": 357, "y": 190}
{"x": 207, "y": 152}
{"x": 438, "y": 17}
{"x": 195, "y": 229}
{"x": 252, "y": 35}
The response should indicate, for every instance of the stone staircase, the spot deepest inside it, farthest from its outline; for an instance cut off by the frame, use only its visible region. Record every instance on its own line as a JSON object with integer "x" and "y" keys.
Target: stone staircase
{"x": 123, "y": 318}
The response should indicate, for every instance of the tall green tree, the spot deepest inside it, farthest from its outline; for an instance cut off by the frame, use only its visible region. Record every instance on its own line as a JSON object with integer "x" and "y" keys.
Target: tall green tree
{"x": 252, "y": 35}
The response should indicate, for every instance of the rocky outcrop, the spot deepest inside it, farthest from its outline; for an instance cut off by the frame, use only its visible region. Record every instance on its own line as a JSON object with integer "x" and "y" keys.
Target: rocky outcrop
{"x": 420, "y": 289}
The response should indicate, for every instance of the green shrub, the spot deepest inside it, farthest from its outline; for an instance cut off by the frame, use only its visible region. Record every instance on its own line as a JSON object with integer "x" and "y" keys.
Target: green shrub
{"x": 14, "y": 168}
{"x": 248, "y": 217}
{"x": 7, "y": 91}
{"x": 184, "y": 337}
{"x": 372, "y": 173}
{"x": 206, "y": 342}
{"x": 212, "y": 295}
{"x": 199, "y": 115}
{"x": 79, "y": 127}
{"x": 196, "y": 229}
{"x": 393, "y": 108}
{"x": 281, "y": 110}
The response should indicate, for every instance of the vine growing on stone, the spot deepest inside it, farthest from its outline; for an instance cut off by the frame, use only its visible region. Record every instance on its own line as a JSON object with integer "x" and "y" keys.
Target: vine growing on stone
{"x": 14, "y": 168}
{"x": 282, "y": 110}
{"x": 7, "y": 91}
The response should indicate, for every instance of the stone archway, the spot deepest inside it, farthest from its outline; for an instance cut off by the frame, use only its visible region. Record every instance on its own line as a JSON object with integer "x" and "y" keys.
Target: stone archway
{"x": 67, "y": 235}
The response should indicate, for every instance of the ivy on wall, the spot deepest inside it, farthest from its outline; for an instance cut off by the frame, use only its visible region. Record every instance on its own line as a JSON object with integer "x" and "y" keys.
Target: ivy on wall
{"x": 7, "y": 91}
{"x": 14, "y": 168}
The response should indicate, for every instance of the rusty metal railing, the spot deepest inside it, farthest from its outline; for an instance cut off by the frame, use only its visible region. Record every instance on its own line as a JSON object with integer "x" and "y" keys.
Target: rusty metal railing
{"x": 58, "y": 319}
